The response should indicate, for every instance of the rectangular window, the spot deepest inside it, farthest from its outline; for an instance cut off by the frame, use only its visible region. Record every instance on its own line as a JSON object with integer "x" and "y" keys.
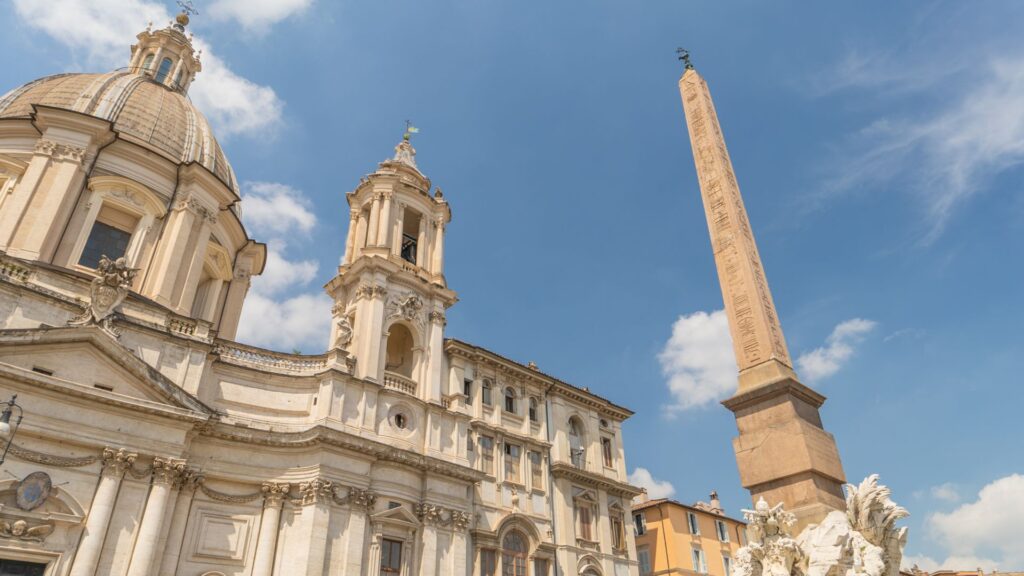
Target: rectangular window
{"x": 584, "y": 521}
{"x": 691, "y": 518}
{"x": 727, "y": 565}
{"x": 390, "y": 557}
{"x": 512, "y": 458}
{"x": 699, "y": 565}
{"x": 644, "y": 557}
{"x": 467, "y": 390}
{"x": 540, "y": 567}
{"x": 723, "y": 531}
{"x": 640, "y": 522}
{"x": 487, "y": 454}
{"x": 606, "y": 451}
{"x": 488, "y": 562}
{"x": 104, "y": 240}
{"x": 536, "y": 471}
{"x": 618, "y": 535}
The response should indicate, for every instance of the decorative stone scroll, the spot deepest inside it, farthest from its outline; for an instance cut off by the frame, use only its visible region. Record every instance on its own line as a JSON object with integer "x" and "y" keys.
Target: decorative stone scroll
{"x": 862, "y": 541}
{"x": 443, "y": 517}
{"x": 106, "y": 293}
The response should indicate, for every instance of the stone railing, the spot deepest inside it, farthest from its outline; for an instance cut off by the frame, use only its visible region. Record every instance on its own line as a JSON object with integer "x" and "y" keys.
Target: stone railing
{"x": 261, "y": 359}
{"x": 399, "y": 382}
{"x": 13, "y": 271}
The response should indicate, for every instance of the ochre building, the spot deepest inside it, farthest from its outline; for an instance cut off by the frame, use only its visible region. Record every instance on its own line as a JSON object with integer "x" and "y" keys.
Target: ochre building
{"x": 675, "y": 538}
{"x": 154, "y": 444}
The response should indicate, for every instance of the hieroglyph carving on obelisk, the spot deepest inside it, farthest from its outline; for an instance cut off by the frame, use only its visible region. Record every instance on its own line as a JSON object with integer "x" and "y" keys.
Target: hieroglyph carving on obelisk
{"x": 757, "y": 334}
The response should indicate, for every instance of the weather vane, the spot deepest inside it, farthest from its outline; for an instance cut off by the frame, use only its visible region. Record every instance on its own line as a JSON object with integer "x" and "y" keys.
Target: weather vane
{"x": 684, "y": 55}
{"x": 409, "y": 130}
{"x": 187, "y": 7}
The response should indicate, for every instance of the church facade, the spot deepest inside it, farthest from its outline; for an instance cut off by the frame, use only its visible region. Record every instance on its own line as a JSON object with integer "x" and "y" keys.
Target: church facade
{"x": 153, "y": 443}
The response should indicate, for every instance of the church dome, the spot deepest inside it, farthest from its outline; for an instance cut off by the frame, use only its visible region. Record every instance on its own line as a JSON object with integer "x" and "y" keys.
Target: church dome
{"x": 158, "y": 117}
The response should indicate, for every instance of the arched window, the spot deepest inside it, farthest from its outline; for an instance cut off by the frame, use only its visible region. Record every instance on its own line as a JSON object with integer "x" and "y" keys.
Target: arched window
{"x": 576, "y": 442}
{"x": 485, "y": 392}
{"x": 399, "y": 359}
{"x": 165, "y": 69}
{"x": 510, "y": 400}
{"x": 147, "y": 62}
{"x": 411, "y": 222}
{"x": 533, "y": 409}
{"x": 513, "y": 554}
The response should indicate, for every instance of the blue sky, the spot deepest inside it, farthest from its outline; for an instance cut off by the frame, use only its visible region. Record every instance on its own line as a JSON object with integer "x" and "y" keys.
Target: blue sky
{"x": 879, "y": 147}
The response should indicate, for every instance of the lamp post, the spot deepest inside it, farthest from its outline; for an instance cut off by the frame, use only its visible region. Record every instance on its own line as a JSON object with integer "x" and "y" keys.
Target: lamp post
{"x": 6, "y": 430}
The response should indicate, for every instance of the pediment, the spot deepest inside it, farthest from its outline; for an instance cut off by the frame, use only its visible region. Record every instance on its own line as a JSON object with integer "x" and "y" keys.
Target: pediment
{"x": 90, "y": 358}
{"x": 398, "y": 515}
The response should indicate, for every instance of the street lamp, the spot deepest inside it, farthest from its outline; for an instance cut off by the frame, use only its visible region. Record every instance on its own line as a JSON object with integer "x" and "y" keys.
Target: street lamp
{"x": 6, "y": 430}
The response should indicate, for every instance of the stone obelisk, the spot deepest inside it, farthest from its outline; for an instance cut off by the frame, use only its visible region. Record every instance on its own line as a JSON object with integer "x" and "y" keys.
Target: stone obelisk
{"x": 782, "y": 451}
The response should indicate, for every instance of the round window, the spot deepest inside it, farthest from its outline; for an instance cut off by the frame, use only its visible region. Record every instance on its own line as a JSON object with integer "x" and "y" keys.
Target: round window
{"x": 400, "y": 421}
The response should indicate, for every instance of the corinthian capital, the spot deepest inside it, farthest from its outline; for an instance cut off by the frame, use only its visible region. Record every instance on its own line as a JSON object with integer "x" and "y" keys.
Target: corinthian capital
{"x": 274, "y": 493}
{"x": 116, "y": 462}
{"x": 168, "y": 470}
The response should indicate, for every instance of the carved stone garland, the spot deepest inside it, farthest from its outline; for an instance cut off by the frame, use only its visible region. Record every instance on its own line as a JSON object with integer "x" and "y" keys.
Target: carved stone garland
{"x": 443, "y": 517}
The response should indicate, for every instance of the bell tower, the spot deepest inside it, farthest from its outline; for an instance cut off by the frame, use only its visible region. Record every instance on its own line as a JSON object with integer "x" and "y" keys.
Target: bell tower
{"x": 390, "y": 294}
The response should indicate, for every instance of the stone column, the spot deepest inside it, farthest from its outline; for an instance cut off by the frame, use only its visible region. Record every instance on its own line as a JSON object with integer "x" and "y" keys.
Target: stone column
{"x": 350, "y": 240}
{"x": 273, "y": 500}
{"x": 384, "y": 229}
{"x": 114, "y": 466}
{"x": 229, "y": 317}
{"x": 175, "y": 536}
{"x": 422, "y": 249}
{"x": 428, "y": 558}
{"x": 399, "y": 228}
{"x": 437, "y": 265}
{"x": 371, "y": 236}
{"x": 165, "y": 473}
{"x": 360, "y": 240}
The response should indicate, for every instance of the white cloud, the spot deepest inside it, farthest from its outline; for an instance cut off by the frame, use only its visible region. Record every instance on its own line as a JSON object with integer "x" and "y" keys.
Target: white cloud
{"x": 827, "y": 360}
{"x": 949, "y": 154}
{"x": 655, "y": 488}
{"x": 100, "y": 32}
{"x": 282, "y": 310}
{"x": 698, "y": 360}
{"x": 301, "y": 322}
{"x": 946, "y": 492}
{"x": 275, "y": 209}
{"x": 987, "y": 527}
{"x": 256, "y": 14}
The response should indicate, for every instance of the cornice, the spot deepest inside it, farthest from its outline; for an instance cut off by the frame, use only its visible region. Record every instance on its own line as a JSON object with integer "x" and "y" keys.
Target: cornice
{"x": 563, "y": 470}
{"x": 479, "y": 424}
{"x": 475, "y": 353}
{"x": 323, "y": 435}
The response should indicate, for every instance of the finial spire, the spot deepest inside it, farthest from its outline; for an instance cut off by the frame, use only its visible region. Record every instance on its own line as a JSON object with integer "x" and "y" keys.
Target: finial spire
{"x": 409, "y": 130}
{"x": 684, "y": 56}
{"x": 187, "y": 8}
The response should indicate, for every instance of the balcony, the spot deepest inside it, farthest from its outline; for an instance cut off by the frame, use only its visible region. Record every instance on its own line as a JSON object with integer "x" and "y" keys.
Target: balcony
{"x": 399, "y": 382}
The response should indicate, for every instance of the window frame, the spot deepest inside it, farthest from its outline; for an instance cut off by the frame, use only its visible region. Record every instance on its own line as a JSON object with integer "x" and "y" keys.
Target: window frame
{"x": 532, "y": 411}
{"x": 388, "y": 546}
{"x": 513, "y": 463}
{"x": 700, "y": 563}
{"x": 486, "y": 444}
{"x": 536, "y": 460}
{"x": 723, "y": 531}
{"x": 486, "y": 389}
{"x": 509, "y": 397}
{"x": 640, "y": 523}
{"x": 693, "y": 523}
{"x": 607, "y": 452}
{"x": 643, "y": 557}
